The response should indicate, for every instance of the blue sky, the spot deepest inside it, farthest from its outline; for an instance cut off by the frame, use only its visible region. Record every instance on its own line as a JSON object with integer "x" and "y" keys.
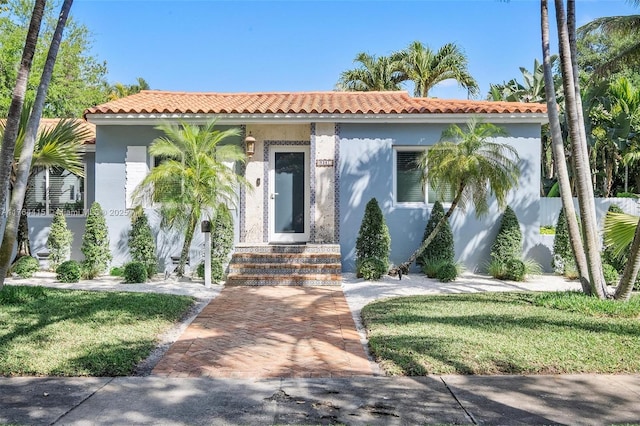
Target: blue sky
{"x": 249, "y": 46}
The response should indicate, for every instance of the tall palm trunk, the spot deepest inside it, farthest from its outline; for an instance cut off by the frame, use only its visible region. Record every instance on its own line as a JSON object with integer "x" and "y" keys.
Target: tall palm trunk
{"x": 581, "y": 162}
{"x": 24, "y": 163}
{"x": 24, "y": 246}
{"x": 404, "y": 267}
{"x": 15, "y": 109}
{"x": 188, "y": 238}
{"x": 557, "y": 146}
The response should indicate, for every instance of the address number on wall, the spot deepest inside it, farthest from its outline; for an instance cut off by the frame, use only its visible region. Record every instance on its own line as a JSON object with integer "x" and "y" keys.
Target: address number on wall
{"x": 324, "y": 163}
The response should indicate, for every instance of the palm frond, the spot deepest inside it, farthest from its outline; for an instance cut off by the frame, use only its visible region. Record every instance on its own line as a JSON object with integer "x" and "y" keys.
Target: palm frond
{"x": 619, "y": 230}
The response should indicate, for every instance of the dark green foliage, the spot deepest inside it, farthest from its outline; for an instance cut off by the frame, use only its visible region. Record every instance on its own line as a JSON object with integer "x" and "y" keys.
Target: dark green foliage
{"x": 441, "y": 247}
{"x": 68, "y": 272}
{"x": 373, "y": 239}
{"x": 26, "y": 266}
{"x": 117, "y": 271}
{"x": 95, "y": 243}
{"x": 611, "y": 276}
{"x": 618, "y": 262}
{"x": 135, "y": 272}
{"x": 508, "y": 242}
{"x": 19, "y": 295}
{"x": 59, "y": 240}
{"x": 221, "y": 242}
{"x": 561, "y": 243}
{"x": 142, "y": 245}
{"x": 217, "y": 270}
{"x": 447, "y": 272}
{"x": 515, "y": 270}
{"x": 431, "y": 266}
{"x": 372, "y": 268}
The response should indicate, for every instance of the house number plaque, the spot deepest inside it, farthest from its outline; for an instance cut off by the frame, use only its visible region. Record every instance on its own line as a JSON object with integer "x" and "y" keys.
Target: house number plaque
{"x": 324, "y": 163}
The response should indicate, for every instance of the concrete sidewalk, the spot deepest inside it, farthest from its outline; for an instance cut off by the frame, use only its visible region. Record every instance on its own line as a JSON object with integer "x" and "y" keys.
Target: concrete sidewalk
{"x": 501, "y": 400}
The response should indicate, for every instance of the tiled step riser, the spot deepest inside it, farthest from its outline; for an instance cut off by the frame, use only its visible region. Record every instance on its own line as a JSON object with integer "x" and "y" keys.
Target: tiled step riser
{"x": 289, "y": 259}
{"x": 311, "y": 280}
{"x": 295, "y": 265}
{"x": 284, "y": 269}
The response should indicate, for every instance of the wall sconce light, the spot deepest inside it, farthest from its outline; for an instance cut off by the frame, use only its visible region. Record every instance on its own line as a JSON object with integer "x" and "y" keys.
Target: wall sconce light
{"x": 250, "y": 145}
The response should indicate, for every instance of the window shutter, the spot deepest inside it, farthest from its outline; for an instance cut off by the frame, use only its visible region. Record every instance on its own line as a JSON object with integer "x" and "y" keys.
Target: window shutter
{"x": 135, "y": 171}
{"x": 408, "y": 178}
{"x": 36, "y": 191}
{"x": 64, "y": 191}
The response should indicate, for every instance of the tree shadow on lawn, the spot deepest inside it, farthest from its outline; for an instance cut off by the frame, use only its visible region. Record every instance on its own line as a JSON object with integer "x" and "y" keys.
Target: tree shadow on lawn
{"x": 94, "y": 309}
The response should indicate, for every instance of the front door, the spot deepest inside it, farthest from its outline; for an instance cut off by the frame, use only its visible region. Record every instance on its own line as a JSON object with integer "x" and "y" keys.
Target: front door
{"x": 288, "y": 194}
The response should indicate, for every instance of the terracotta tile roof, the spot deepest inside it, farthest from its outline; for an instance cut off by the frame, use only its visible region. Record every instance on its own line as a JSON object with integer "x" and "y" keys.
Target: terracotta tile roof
{"x": 90, "y": 128}
{"x": 161, "y": 102}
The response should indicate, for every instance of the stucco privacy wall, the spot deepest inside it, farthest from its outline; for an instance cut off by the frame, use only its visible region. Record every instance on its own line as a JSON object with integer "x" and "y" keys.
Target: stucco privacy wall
{"x": 366, "y": 169}
{"x": 110, "y": 183}
{"x": 252, "y": 230}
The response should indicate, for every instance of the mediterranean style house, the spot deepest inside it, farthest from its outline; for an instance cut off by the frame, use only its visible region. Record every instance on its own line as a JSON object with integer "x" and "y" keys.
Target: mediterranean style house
{"x": 314, "y": 160}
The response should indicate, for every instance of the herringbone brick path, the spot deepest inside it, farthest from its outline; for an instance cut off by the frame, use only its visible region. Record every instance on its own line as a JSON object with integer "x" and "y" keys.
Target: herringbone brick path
{"x": 269, "y": 331}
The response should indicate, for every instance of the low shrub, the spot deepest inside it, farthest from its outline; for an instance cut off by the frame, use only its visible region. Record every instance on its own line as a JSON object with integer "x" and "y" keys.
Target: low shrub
{"x": 372, "y": 268}
{"x": 68, "y": 272}
{"x": 117, "y": 271}
{"x": 26, "y": 266}
{"x": 135, "y": 272}
{"x": 217, "y": 270}
{"x": 515, "y": 270}
{"x": 431, "y": 266}
{"x": 611, "y": 276}
{"x": 447, "y": 272}
{"x": 497, "y": 269}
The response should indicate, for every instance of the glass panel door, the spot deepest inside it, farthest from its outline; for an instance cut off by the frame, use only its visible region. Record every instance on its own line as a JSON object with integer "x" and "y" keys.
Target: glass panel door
{"x": 289, "y": 195}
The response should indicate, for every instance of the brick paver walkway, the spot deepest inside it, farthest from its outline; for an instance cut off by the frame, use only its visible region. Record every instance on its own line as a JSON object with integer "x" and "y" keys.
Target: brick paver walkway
{"x": 266, "y": 332}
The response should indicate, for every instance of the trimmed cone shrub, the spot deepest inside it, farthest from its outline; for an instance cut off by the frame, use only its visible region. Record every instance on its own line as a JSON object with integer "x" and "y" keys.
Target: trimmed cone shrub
{"x": 59, "y": 240}
{"x": 374, "y": 241}
{"x": 508, "y": 242}
{"x": 135, "y": 272}
{"x": 221, "y": 242}
{"x": 26, "y": 266}
{"x": 562, "y": 254}
{"x": 441, "y": 247}
{"x": 68, "y": 272}
{"x": 142, "y": 245}
{"x": 95, "y": 243}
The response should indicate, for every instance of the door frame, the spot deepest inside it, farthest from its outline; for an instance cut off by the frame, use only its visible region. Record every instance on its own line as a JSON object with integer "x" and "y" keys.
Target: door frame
{"x": 288, "y": 238}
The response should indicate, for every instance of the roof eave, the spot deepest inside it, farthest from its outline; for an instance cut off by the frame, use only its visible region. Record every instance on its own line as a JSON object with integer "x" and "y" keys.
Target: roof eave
{"x": 129, "y": 119}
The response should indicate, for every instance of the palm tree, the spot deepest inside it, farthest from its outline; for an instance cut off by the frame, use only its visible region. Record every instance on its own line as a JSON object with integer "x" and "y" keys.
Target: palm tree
{"x": 474, "y": 166}
{"x": 580, "y": 155}
{"x": 557, "y": 145}
{"x": 617, "y": 26}
{"x": 120, "y": 90}
{"x": 193, "y": 180}
{"x": 427, "y": 68}
{"x": 26, "y": 154}
{"x": 57, "y": 146}
{"x": 622, "y": 232}
{"x": 373, "y": 74}
{"x": 13, "y": 117}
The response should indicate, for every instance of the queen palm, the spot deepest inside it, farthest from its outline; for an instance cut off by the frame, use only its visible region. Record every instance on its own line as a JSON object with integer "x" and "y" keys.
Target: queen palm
{"x": 374, "y": 74}
{"x": 473, "y": 165}
{"x": 193, "y": 181}
{"x": 427, "y": 68}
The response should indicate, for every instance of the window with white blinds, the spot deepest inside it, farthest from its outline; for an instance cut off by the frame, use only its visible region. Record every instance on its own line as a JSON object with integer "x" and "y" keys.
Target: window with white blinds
{"x": 52, "y": 188}
{"x": 409, "y": 185}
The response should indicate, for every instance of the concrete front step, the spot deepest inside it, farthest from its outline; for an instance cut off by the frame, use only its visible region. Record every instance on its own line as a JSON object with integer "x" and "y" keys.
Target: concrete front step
{"x": 297, "y": 264}
{"x": 284, "y": 268}
{"x": 279, "y": 279}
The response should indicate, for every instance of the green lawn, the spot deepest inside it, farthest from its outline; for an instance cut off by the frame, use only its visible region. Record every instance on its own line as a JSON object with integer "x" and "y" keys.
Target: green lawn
{"x": 504, "y": 333}
{"x": 81, "y": 333}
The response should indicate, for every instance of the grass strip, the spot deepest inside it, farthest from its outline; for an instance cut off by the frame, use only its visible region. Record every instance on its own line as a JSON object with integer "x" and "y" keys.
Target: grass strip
{"x": 504, "y": 333}
{"x": 52, "y": 332}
